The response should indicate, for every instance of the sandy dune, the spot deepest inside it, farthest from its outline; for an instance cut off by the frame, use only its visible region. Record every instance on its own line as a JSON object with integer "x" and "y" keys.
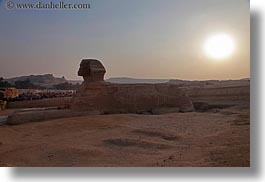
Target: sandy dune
{"x": 179, "y": 139}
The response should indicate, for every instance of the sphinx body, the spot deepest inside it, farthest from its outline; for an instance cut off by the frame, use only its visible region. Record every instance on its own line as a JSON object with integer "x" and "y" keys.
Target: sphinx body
{"x": 96, "y": 95}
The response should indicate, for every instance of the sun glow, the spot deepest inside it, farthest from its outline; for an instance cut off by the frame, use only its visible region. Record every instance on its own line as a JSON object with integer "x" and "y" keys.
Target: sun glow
{"x": 219, "y": 46}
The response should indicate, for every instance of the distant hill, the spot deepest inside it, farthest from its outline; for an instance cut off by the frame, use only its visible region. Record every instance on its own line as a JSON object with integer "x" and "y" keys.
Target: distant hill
{"x": 46, "y": 80}
{"x": 126, "y": 80}
{"x": 75, "y": 81}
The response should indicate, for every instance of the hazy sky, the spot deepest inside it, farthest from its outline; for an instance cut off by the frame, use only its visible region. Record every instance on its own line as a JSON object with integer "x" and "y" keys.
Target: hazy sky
{"x": 133, "y": 38}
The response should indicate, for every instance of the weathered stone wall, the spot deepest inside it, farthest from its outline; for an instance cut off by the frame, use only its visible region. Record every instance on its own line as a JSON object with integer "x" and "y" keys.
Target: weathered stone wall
{"x": 106, "y": 98}
{"x": 220, "y": 95}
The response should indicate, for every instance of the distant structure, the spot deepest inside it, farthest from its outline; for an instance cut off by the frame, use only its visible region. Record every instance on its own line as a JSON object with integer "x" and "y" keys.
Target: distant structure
{"x": 101, "y": 97}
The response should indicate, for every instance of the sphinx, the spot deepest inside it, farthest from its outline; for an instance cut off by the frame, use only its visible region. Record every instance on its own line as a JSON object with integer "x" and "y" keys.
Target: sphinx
{"x": 98, "y": 96}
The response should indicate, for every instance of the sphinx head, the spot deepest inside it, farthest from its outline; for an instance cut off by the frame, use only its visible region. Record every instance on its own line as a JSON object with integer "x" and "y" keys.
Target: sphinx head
{"x": 91, "y": 70}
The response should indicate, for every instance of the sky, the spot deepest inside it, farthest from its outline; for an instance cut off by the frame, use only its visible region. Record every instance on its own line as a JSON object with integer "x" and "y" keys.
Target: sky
{"x": 139, "y": 38}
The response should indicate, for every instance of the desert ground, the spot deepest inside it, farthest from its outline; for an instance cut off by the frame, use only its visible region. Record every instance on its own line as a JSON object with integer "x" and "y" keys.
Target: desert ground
{"x": 177, "y": 139}
{"x": 217, "y": 134}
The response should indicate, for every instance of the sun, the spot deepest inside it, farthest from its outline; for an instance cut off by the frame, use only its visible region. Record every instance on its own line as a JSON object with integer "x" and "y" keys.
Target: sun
{"x": 219, "y": 46}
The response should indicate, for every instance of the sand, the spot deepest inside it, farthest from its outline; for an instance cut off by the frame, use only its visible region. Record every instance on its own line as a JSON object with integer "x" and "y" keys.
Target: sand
{"x": 177, "y": 139}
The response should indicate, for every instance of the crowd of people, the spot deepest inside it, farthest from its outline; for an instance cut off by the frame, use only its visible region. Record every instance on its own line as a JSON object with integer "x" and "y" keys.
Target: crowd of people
{"x": 42, "y": 95}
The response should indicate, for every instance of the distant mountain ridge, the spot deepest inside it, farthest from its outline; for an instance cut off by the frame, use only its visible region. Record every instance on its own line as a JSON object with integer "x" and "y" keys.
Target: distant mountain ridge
{"x": 127, "y": 80}
{"x": 46, "y": 80}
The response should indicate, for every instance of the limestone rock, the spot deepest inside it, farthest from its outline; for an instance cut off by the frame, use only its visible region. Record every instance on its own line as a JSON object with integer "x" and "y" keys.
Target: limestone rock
{"x": 91, "y": 70}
